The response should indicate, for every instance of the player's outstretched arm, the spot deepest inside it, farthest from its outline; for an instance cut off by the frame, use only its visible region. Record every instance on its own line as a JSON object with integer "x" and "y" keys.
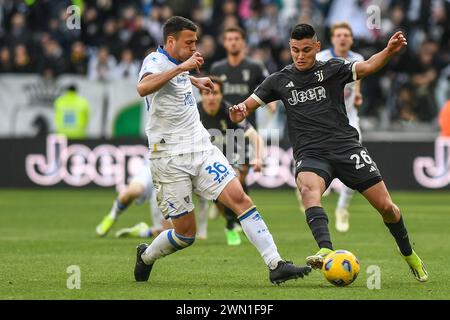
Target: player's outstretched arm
{"x": 152, "y": 82}
{"x": 242, "y": 110}
{"x": 380, "y": 59}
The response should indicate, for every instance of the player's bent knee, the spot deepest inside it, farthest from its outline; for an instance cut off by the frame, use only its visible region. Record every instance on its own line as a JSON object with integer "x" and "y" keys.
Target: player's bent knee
{"x": 308, "y": 192}
{"x": 390, "y": 211}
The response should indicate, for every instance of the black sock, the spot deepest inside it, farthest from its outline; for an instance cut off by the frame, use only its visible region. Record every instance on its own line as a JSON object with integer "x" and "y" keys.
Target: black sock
{"x": 230, "y": 217}
{"x": 400, "y": 235}
{"x": 318, "y": 223}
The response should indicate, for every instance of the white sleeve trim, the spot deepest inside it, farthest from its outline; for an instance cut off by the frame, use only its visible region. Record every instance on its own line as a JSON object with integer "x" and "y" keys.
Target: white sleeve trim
{"x": 355, "y": 76}
{"x": 257, "y": 99}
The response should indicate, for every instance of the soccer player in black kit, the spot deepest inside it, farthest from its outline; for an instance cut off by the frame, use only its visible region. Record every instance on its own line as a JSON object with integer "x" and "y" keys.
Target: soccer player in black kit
{"x": 214, "y": 116}
{"x": 325, "y": 145}
{"x": 240, "y": 75}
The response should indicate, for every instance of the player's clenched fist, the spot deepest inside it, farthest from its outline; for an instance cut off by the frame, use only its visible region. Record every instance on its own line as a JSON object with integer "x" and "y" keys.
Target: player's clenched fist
{"x": 194, "y": 62}
{"x": 238, "y": 112}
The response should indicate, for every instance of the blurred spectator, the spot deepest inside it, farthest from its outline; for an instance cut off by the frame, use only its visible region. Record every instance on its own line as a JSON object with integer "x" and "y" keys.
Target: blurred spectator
{"x": 22, "y": 62}
{"x": 128, "y": 23}
{"x": 284, "y": 58}
{"x": 52, "y": 59}
{"x": 110, "y": 38}
{"x": 264, "y": 54}
{"x": 127, "y": 68}
{"x": 141, "y": 40}
{"x": 183, "y": 7}
{"x": 72, "y": 114}
{"x": 90, "y": 29}
{"x": 443, "y": 86}
{"x": 5, "y": 60}
{"x": 102, "y": 65}
{"x": 424, "y": 73}
{"x": 198, "y": 17}
{"x": 207, "y": 47}
{"x": 158, "y": 16}
{"x": 354, "y": 12}
{"x": 444, "y": 119}
{"x": 225, "y": 15}
{"x": 18, "y": 34}
{"x": 78, "y": 60}
{"x": 271, "y": 27}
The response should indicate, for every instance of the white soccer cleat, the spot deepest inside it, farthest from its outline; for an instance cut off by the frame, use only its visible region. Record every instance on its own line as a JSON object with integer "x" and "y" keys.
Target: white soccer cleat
{"x": 342, "y": 220}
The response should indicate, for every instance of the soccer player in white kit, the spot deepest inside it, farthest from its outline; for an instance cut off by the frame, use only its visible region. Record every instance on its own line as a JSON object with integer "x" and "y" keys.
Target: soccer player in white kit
{"x": 342, "y": 41}
{"x": 183, "y": 159}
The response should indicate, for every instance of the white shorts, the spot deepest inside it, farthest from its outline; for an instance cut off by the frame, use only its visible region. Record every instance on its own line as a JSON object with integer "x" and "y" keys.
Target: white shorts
{"x": 175, "y": 178}
{"x": 144, "y": 177}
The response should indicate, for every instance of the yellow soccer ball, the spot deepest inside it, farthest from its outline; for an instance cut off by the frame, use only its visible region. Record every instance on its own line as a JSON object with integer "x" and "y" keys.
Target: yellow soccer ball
{"x": 341, "y": 268}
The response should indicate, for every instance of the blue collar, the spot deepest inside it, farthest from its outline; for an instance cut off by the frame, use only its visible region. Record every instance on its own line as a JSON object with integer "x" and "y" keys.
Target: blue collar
{"x": 333, "y": 53}
{"x": 164, "y": 52}
{"x": 335, "y": 56}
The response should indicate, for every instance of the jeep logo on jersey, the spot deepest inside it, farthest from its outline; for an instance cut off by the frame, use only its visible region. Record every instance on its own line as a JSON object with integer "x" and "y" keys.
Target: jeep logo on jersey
{"x": 317, "y": 93}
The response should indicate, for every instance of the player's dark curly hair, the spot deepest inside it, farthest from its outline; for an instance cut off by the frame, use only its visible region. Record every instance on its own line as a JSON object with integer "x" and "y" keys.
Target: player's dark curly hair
{"x": 175, "y": 25}
{"x": 303, "y": 31}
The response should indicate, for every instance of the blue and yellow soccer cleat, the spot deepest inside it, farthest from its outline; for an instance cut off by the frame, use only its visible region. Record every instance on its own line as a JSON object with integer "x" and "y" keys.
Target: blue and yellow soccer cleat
{"x": 417, "y": 267}
{"x": 316, "y": 261}
{"x": 233, "y": 237}
{"x": 136, "y": 231}
{"x": 104, "y": 226}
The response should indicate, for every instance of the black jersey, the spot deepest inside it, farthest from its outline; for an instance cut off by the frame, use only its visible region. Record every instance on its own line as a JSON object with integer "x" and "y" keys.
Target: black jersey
{"x": 314, "y": 102}
{"x": 240, "y": 81}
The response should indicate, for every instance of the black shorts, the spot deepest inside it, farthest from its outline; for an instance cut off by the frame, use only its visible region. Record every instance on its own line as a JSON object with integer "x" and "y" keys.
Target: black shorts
{"x": 354, "y": 167}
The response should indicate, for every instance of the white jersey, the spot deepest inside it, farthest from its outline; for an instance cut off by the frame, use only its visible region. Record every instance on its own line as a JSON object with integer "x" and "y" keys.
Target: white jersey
{"x": 174, "y": 125}
{"x": 349, "y": 90}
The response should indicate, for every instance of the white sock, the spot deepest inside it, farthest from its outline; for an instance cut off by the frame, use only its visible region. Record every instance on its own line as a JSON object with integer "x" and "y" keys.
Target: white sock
{"x": 147, "y": 233}
{"x": 117, "y": 209}
{"x": 202, "y": 217}
{"x": 165, "y": 243}
{"x": 258, "y": 233}
{"x": 345, "y": 196}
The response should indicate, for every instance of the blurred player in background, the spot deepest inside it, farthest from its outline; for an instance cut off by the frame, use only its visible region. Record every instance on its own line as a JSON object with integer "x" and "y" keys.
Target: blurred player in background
{"x": 183, "y": 159}
{"x": 214, "y": 116}
{"x": 325, "y": 144}
{"x": 342, "y": 41}
{"x": 139, "y": 190}
{"x": 240, "y": 75}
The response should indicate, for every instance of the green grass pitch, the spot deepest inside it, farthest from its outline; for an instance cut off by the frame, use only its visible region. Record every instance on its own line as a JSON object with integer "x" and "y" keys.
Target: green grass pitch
{"x": 42, "y": 232}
